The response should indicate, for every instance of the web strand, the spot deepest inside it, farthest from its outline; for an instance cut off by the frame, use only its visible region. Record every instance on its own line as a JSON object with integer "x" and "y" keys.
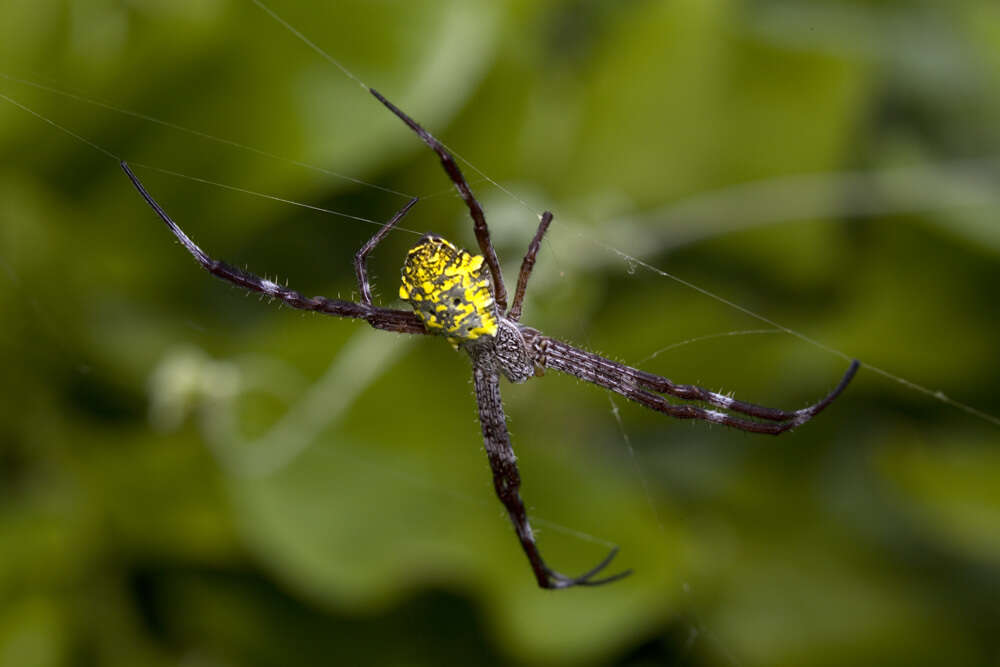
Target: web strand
{"x": 698, "y": 339}
{"x": 276, "y": 198}
{"x": 197, "y": 179}
{"x": 196, "y": 133}
{"x": 305, "y": 40}
{"x": 635, "y": 463}
{"x": 349, "y": 74}
{"x": 60, "y": 127}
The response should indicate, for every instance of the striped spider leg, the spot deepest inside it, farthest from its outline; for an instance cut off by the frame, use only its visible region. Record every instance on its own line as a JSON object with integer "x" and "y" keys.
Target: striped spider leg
{"x": 400, "y": 321}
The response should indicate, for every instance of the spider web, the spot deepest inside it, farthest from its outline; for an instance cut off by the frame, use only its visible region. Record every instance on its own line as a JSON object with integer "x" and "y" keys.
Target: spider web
{"x": 277, "y": 455}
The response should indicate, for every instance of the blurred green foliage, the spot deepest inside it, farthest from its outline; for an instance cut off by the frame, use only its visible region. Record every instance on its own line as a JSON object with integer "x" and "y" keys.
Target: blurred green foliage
{"x": 191, "y": 477}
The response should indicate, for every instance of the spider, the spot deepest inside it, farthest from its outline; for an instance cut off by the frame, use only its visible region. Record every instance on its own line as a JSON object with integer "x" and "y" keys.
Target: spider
{"x": 462, "y": 296}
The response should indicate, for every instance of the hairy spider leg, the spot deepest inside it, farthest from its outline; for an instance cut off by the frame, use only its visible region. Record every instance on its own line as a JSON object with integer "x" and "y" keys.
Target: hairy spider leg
{"x": 634, "y": 384}
{"x": 527, "y": 265}
{"x": 400, "y": 321}
{"x": 458, "y": 179}
{"x": 787, "y": 418}
{"x": 507, "y": 479}
{"x": 361, "y": 257}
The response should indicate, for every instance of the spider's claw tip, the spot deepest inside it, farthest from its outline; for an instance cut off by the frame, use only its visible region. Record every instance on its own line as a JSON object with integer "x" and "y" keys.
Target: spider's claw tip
{"x": 586, "y": 579}
{"x": 600, "y": 566}
{"x": 606, "y": 580}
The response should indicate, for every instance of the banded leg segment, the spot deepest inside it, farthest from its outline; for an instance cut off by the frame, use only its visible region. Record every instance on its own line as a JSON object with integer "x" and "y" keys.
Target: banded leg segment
{"x": 380, "y": 318}
{"x": 639, "y": 386}
{"x": 507, "y": 479}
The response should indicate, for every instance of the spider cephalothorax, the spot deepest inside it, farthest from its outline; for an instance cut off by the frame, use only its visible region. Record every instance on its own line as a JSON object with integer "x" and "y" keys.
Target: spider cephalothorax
{"x": 452, "y": 295}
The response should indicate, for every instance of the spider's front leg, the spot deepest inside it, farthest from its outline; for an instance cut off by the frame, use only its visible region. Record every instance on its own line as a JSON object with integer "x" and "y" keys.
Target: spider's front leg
{"x": 381, "y": 318}
{"x": 507, "y": 479}
{"x": 527, "y": 265}
{"x": 458, "y": 179}
{"x": 361, "y": 257}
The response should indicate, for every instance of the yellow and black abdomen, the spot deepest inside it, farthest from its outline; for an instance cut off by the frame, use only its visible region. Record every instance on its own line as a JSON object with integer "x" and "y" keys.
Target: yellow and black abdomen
{"x": 449, "y": 290}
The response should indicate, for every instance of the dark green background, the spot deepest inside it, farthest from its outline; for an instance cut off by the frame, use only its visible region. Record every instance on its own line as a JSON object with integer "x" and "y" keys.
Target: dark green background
{"x": 191, "y": 477}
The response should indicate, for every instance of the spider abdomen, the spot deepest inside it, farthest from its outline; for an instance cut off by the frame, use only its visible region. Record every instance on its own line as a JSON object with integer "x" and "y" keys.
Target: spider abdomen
{"x": 449, "y": 290}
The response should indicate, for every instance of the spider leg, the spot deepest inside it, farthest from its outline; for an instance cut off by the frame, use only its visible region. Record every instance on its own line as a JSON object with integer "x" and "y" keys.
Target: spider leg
{"x": 455, "y": 174}
{"x": 381, "y": 318}
{"x": 638, "y": 386}
{"x": 361, "y": 258}
{"x": 507, "y": 479}
{"x": 527, "y": 265}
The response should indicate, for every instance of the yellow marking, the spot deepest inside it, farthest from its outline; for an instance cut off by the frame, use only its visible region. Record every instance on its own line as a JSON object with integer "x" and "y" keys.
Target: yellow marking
{"x": 448, "y": 289}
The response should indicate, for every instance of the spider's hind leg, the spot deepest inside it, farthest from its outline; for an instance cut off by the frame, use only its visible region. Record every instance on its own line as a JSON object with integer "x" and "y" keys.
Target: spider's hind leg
{"x": 507, "y": 479}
